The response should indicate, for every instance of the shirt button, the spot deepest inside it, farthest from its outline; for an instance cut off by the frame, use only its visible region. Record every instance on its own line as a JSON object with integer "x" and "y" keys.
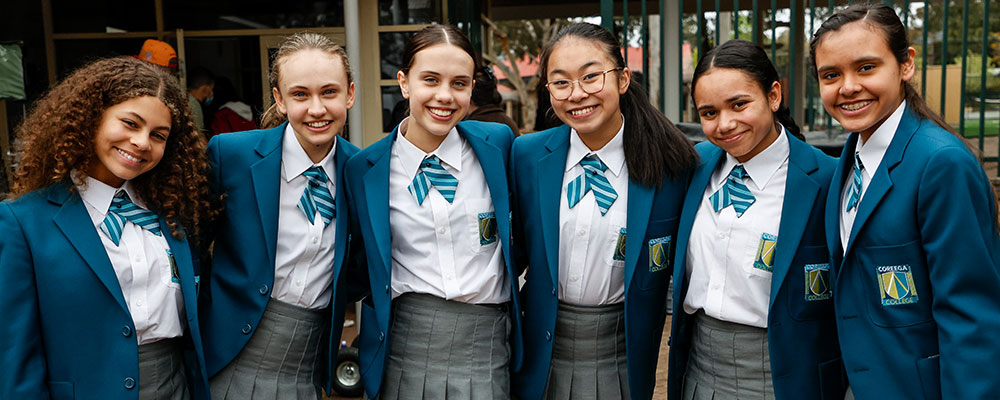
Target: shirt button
{"x": 138, "y": 303}
{"x": 126, "y": 331}
{"x": 315, "y": 240}
{"x": 298, "y": 282}
{"x": 449, "y": 277}
{"x": 574, "y": 278}
{"x": 722, "y": 235}
{"x": 246, "y": 329}
{"x": 442, "y": 230}
{"x": 262, "y": 290}
{"x": 583, "y": 232}
{"x": 129, "y": 383}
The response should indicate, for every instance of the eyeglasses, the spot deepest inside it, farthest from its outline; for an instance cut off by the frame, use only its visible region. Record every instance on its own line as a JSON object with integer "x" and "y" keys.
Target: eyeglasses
{"x": 590, "y": 83}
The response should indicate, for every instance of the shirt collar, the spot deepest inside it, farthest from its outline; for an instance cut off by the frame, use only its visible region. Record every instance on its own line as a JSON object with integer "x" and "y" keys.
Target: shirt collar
{"x": 872, "y": 151}
{"x": 98, "y": 194}
{"x": 762, "y": 166}
{"x": 294, "y": 159}
{"x": 612, "y": 154}
{"x": 449, "y": 151}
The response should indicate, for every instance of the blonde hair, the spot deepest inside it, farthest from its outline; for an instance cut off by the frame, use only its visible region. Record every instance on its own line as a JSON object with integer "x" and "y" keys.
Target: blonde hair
{"x": 293, "y": 44}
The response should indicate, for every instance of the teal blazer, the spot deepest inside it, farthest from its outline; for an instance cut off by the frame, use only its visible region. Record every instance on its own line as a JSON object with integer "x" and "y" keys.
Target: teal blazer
{"x": 368, "y": 191}
{"x": 67, "y": 331}
{"x": 801, "y": 333}
{"x": 538, "y": 163}
{"x": 246, "y": 169}
{"x": 918, "y": 289}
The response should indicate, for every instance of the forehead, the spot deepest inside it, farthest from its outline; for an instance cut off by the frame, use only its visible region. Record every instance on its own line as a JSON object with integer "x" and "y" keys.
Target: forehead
{"x": 311, "y": 67}
{"x": 443, "y": 58}
{"x": 719, "y": 84}
{"x": 572, "y": 53}
{"x": 852, "y": 41}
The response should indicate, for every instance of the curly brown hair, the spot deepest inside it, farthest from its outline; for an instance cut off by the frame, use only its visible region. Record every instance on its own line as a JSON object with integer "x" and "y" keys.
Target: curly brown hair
{"x": 57, "y": 139}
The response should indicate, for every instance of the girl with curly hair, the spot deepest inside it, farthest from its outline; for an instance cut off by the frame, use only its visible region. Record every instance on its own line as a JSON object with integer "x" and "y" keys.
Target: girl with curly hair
{"x": 97, "y": 241}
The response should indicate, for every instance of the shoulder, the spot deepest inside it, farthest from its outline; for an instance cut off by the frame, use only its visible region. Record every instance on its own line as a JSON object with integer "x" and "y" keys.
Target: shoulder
{"x": 349, "y": 149}
{"x": 373, "y": 151}
{"x": 29, "y": 204}
{"x": 239, "y": 142}
{"x": 824, "y": 164}
{"x": 530, "y": 142}
{"x": 496, "y": 132}
{"x": 706, "y": 149}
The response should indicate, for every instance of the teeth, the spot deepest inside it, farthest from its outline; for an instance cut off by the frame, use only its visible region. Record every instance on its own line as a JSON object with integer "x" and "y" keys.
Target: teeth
{"x": 855, "y": 106}
{"x": 318, "y": 124}
{"x": 440, "y": 112}
{"x": 128, "y": 156}
{"x": 582, "y": 111}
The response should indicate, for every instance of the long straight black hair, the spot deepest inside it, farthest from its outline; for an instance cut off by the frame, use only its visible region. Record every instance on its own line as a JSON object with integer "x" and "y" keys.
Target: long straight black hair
{"x": 654, "y": 147}
{"x": 750, "y": 59}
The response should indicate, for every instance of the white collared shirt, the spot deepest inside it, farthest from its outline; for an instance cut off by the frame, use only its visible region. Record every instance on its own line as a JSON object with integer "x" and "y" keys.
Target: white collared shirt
{"x": 438, "y": 247}
{"x": 871, "y": 154}
{"x": 142, "y": 265}
{"x": 303, "y": 261}
{"x": 730, "y": 260}
{"x": 590, "y": 272}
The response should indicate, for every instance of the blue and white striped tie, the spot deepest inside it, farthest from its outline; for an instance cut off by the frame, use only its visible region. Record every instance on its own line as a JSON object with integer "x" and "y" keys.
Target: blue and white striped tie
{"x": 433, "y": 174}
{"x": 122, "y": 208}
{"x": 854, "y": 193}
{"x": 317, "y": 196}
{"x": 734, "y": 192}
{"x": 592, "y": 178}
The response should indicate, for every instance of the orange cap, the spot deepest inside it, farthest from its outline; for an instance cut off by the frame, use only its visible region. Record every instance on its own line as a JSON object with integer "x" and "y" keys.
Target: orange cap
{"x": 158, "y": 52}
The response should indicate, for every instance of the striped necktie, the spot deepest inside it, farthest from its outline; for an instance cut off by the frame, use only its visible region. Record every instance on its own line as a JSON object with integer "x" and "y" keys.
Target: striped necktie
{"x": 433, "y": 174}
{"x": 592, "y": 178}
{"x": 122, "y": 208}
{"x": 854, "y": 193}
{"x": 317, "y": 196}
{"x": 734, "y": 192}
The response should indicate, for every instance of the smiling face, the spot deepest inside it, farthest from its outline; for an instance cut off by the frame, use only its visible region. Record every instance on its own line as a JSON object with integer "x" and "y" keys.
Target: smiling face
{"x": 439, "y": 89}
{"x": 130, "y": 140}
{"x": 860, "y": 81}
{"x": 314, "y": 92}
{"x": 736, "y": 114}
{"x": 596, "y": 117}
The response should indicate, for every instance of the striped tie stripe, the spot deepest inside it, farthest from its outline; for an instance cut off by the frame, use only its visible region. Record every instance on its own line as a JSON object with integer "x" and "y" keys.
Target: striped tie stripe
{"x": 592, "y": 179}
{"x": 123, "y": 209}
{"x": 317, "y": 196}
{"x": 433, "y": 174}
{"x": 854, "y": 193}
{"x": 734, "y": 192}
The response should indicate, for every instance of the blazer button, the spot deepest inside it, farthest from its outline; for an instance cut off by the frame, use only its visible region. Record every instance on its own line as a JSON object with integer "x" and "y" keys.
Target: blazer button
{"x": 387, "y": 288}
{"x": 381, "y": 336}
{"x": 247, "y": 329}
{"x": 548, "y": 336}
{"x": 553, "y": 291}
{"x": 129, "y": 383}
{"x": 263, "y": 290}
{"x": 126, "y": 331}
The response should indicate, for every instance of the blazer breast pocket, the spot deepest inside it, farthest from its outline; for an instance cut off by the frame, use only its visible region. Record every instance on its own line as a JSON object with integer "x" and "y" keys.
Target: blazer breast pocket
{"x": 808, "y": 284}
{"x": 654, "y": 266}
{"x": 896, "y": 284}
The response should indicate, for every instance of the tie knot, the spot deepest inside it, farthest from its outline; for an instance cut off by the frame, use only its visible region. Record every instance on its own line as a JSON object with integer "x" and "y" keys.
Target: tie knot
{"x": 431, "y": 162}
{"x": 316, "y": 174}
{"x": 857, "y": 160}
{"x": 120, "y": 200}
{"x": 592, "y": 163}
{"x": 738, "y": 172}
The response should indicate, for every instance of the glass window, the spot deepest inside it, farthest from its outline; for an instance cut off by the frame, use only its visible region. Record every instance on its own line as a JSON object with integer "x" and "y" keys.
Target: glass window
{"x": 394, "y": 107}
{"x": 391, "y": 46}
{"x": 72, "y": 54}
{"x": 408, "y": 12}
{"x": 252, "y": 14}
{"x": 72, "y": 16}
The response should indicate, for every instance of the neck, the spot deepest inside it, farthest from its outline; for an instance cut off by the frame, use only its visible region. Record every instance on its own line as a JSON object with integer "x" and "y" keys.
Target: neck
{"x": 316, "y": 153}
{"x": 425, "y": 141}
{"x": 598, "y": 139}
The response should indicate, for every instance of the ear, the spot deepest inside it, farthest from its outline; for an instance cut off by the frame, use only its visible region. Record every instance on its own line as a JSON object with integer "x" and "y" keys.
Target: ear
{"x": 278, "y": 101}
{"x": 774, "y": 96}
{"x": 404, "y": 84}
{"x": 907, "y": 69}
{"x": 623, "y": 80}
{"x": 350, "y": 96}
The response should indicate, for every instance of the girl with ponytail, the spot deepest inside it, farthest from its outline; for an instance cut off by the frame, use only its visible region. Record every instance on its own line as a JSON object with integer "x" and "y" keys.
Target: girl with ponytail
{"x": 753, "y": 312}
{"x": 605, "y": 191}
{"x": 910, "y": 222}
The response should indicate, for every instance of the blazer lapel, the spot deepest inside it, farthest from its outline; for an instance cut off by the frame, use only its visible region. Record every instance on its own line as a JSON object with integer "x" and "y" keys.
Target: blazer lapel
{"x": 550, "y": 169}
{"x": 692, "y": 201}
{"x": 640, "y": 204}
{"x": 265, "y": 175}
{"x": 833, "y": 203}
{"x": 75, "y": 223}
{"x": 800, "y": 195}
{"x": 343, "y": 215}
{"x": 491, "y": 161}
{"x": 377, "y": 197}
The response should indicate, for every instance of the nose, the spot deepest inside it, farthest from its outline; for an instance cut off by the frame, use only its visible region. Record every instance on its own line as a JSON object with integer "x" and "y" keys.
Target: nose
{"x": 443, "y": 94}
{"x": 140, "y": 140}
{"x": 316, "y": 107}
{"x": 726, "y": 122}
{"x": 577, "y": 93}
{"x": 850, "y": 85}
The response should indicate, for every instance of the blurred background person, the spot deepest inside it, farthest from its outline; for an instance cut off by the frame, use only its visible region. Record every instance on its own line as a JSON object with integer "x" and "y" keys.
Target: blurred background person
{"x": 231, "y": 114}
{"x": 486, "y": 100}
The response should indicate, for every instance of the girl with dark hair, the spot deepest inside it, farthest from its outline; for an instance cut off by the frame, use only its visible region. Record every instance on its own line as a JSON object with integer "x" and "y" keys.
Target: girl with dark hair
{"x": 910, "y": 221}
{"x": 754, "y": 315}
{"x": 98, "y": 244}
{"x": 442, "y": 318}
{"x": 618, "y": 169}
{"x": 273, "y": 315}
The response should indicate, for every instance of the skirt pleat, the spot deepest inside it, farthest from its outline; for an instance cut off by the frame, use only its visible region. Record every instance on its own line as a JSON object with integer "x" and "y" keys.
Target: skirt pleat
{"x": 588, "y": 354}
{"x": 161, "y": 371}
{"x": 728, "y": 361}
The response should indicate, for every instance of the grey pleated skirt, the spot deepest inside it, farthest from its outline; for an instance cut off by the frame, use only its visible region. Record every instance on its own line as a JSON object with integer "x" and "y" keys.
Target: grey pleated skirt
{"x": 728, "y": 361}
{"x": 281, "y": 361}
{"x": 161, "y": 371}
{"x": 588, "y": 354}
{"x": 444, "y": 349}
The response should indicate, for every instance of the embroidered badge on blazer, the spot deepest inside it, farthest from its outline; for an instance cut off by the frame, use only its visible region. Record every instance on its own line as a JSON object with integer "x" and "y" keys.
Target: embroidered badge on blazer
{"x": 487, "y": 228}
{"x": 817, "y": 282}
{"x": 620, "y": 246}
{"x": 895, "y": 284}
{"x": 764, "y": 260}
{"x": 659, "y": 253}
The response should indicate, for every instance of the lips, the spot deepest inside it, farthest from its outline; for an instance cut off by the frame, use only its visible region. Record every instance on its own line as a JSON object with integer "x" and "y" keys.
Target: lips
{"x": 130, "y": 157}
{"x": 855, "y": 106}
{"x": 582, "y": 111}
{"x": 441, "y": 114}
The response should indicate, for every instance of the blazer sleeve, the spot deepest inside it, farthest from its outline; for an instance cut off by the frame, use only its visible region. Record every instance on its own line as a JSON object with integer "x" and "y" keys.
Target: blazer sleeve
{"x": 23, "y": 373}
{"x": 957, "y": 226}
{"x": 356, "y": 283}
{"x": 518, "y": 256}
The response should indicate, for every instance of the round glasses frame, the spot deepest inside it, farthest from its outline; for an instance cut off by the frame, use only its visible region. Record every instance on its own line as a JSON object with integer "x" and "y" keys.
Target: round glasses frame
{"x": 562, "y": 89}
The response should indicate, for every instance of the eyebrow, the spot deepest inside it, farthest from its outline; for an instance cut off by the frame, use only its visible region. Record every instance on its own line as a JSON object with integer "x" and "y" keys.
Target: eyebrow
{"x": 440, "y": 74}
{"x": 136, "y": 116}
{"x": 728, "y": 100}
{"x": 861, "y": 60}
{"x": 582, "y": 68}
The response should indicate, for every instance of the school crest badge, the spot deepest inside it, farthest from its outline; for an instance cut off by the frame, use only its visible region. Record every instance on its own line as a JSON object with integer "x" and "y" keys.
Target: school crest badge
{"x": 620, "y": 246}
{"x": 817, "y": 282}
{"x": 659, "y": 253}
{"x": 896, "y": 286}
{"x": 487, "y": 228}
{"x": 764, "y": 260}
